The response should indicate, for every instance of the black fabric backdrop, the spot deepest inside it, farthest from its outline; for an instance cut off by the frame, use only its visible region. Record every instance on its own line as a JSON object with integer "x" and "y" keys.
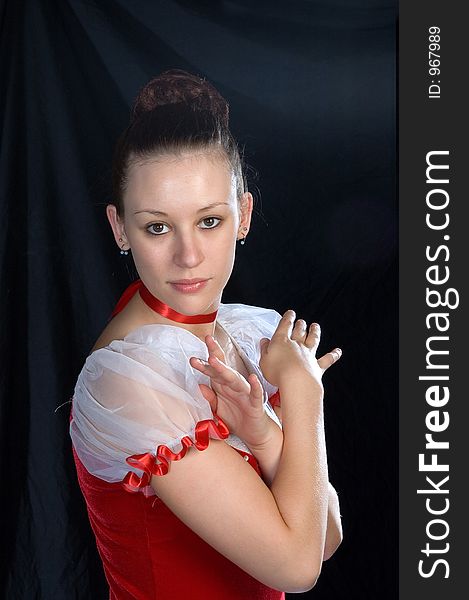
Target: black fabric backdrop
{"x": 312, "y": 89}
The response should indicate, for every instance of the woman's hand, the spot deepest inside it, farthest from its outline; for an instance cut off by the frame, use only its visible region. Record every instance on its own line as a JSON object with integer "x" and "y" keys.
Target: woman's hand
{"x": 292, "y": 351}
{"x": 237, "y": 401}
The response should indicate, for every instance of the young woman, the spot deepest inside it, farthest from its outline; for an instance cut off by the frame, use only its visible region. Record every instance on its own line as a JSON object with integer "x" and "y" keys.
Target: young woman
{"x": 196, "y": 487}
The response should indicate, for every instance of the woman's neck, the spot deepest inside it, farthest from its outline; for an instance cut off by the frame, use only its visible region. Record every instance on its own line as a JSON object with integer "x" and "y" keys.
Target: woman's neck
{"x": 141, "y": 313}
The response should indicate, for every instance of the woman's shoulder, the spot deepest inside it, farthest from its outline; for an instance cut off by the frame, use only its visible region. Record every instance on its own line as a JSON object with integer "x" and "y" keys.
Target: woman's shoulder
{"x": 119, "y": 327}
{"x": 114, "y": 330}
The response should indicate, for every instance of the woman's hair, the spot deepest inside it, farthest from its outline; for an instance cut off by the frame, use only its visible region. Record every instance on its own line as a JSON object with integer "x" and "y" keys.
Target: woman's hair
{"x": 175, "y": 113}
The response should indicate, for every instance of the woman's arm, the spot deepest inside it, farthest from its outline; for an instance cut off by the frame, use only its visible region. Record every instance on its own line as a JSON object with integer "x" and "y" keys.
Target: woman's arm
{"x": 334, "y": 524}
{"x": 269, "y": 452}
{"x": 268, "y": 457}
{"x": 275, "y": 533}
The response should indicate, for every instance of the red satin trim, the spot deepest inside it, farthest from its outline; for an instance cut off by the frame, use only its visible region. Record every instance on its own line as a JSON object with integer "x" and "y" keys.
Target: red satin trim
{"x": 168, "y": 312}
{"x": 275, "y": 399}
{"x": 147, "y": 462}
{"x": 158, "y": 306}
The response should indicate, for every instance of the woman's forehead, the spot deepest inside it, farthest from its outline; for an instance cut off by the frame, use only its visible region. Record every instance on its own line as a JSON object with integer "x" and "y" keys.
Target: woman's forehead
{"x": 194, "y": 181}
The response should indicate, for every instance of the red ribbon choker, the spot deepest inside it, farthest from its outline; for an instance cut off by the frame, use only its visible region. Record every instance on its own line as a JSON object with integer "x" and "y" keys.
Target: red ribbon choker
{"x": 158, "y": 306}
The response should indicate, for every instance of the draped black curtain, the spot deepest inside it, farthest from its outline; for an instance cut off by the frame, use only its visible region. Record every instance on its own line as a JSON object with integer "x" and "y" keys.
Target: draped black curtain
{"x": 312, "y": 92}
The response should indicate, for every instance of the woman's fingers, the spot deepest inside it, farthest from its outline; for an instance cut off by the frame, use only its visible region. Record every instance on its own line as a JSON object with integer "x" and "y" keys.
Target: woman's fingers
{"x": 209, "y": 395}
{"x": 313, "y": 337}
{"x": 218, "y": 371}
{"x": 257, "y": 391}
{"x": 285, "y": 325}
{"x": 299, "y": 330}
{"x": 215, "y": 348}
{"x": 330, "y": 358}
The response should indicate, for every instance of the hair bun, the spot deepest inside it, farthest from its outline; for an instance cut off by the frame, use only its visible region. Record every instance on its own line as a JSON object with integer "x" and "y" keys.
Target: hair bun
{"x": 178, "y": 86}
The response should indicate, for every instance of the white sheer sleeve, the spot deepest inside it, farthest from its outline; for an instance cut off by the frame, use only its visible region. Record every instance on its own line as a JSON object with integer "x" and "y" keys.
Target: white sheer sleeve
{"x": 137, "y": 404}
{"x": 133, "y": 413}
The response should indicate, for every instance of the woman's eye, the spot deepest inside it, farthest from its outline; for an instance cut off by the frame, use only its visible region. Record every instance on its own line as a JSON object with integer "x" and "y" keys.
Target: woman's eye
{"x": 210, "y": 220}
{"x": 155, "y": 225}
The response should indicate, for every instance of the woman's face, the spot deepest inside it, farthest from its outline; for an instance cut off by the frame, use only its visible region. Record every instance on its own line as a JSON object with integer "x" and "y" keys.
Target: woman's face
{"x": 182, "y": 219}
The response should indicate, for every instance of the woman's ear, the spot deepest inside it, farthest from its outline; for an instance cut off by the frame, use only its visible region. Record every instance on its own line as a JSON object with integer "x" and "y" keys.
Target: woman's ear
{"x": 246, "y": 206}
{"x": 117, "y": 225}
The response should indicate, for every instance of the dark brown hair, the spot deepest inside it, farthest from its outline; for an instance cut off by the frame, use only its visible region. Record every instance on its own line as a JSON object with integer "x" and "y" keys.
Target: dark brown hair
{"x": 174, "y": 113}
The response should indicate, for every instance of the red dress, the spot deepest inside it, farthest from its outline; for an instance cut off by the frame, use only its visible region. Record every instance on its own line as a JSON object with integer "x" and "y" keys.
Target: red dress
{"x": 148, "y": 553}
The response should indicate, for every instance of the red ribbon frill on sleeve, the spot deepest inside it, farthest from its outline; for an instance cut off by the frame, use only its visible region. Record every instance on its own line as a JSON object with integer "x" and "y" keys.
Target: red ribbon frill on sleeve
{"x": 148, "y": 462}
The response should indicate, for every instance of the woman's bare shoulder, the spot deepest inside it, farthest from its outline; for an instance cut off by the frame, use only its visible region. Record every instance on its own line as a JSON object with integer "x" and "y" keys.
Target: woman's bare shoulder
{"x": 117, "y": 328}
{"x": 128, "y": 319}
{"x": 109, "y": 334}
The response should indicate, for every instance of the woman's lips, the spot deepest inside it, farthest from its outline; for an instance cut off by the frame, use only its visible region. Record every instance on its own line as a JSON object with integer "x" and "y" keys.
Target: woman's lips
{"x": 189, "y": 288}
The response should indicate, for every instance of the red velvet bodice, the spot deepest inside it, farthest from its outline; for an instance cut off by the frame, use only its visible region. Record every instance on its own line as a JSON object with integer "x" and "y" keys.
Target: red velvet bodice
{"x": 150, "y": 554}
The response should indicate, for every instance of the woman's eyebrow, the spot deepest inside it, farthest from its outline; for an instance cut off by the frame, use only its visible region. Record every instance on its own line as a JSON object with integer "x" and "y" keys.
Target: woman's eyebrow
{"x": 163, "y": 214}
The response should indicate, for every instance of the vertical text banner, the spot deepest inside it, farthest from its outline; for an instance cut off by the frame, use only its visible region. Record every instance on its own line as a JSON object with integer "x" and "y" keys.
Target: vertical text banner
{"x": 434, "y": 258}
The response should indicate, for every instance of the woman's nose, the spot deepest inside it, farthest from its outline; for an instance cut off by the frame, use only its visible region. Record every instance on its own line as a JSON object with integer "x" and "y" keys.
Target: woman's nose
{"x": 188, "y": 251}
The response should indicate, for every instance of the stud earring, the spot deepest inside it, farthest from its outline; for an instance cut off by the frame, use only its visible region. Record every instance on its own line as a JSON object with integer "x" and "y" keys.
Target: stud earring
{"x": 122, "y": 249}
